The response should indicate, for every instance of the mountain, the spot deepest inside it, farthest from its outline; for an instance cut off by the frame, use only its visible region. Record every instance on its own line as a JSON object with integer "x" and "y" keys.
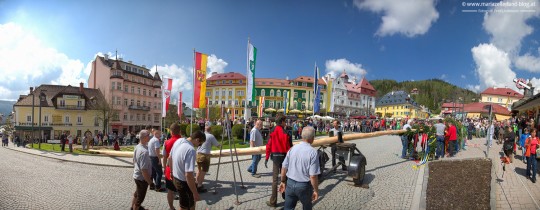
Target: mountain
{"x": 431, "y": 93}
{"x": 6, "y": 107}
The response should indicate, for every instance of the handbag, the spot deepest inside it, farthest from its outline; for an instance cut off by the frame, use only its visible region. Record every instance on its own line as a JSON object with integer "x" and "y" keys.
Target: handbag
{"x": 537, "y": 150}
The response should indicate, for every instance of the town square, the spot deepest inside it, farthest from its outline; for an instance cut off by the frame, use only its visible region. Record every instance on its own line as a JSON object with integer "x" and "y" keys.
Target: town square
{"x": 353, "y": 104}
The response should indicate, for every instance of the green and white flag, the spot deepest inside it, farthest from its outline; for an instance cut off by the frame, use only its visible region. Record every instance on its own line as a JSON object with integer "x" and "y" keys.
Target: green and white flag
{"x": 250, "y": 88}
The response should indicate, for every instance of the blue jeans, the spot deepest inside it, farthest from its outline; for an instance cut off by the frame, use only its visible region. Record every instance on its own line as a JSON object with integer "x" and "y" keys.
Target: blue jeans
{"x": 405, "y": 144}
{"x": 157, "y": 171}
{"x": 531, "y": 165}
{"x": 298, "y": 191}
{"x": 440, "y": 147}
{"x": 255, "y": 161}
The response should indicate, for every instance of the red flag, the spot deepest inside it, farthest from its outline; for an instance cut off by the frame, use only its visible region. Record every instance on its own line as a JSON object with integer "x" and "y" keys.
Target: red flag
{"x": 200, "y": 80}
{"x": 167, "y": 86}
{"x": 180, "y": 106}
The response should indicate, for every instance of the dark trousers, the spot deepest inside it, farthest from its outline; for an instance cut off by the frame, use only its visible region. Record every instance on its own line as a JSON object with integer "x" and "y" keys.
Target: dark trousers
{"x": 140, "y": 192}
{"x": 63, "y": 145}
{"x": 452, "y": 147}
{"x": 276, "y": 171}
{"x": 298, "y": 191}
{"x": 157, "y": 171}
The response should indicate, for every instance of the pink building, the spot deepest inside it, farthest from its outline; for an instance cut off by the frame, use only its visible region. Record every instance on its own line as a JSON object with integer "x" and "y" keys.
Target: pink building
{"x": 132, "y": 92}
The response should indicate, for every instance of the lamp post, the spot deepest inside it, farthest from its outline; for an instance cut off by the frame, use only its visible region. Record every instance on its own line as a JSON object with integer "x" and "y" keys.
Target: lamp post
{"x": 33, "y": 104}
{"x": 42, "y": 98}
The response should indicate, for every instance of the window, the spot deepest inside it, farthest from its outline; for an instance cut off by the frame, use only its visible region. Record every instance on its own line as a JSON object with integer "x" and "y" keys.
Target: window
{"x": 144, "y": 117}
{"x": 66, "y": 119}
{"x": 303, "y": 95}
{"x": 125, "y": 102}
{"x": 278, "y": 93}
{"x": 138, "y": 103}
{"x": 144, "y": 103}
{"x": 230, "y": 81}
{"x": 278, "y": 105}
{"x": 125, "y": 116}
{"x": 119, "y": 85}
{"x": 62, "y": 103}
{"x": 500, "y": 100}
{"x": 128, "y": 68}
{"x": 240, "y": 93}
{"x": 131, "y": 104}
{"x": 149, "y": 105}
{"x": 131, "y": 117}
{"x": 217, "y": 92}
{"x": 236, "y": 102}
{"x": 223, "y": 92}
{"x": 79, "y": 103}
{"x": 138, "y": 117}
{"x": 304, "y": 84}
{"x": 79, "y": 119}
{"x": 342, "y": 93}
{"x": 118, "y": 101}
{"x": 230, "y": 92}
{"x": 132, "y": 89}
{"x": 149, "y": 117}
{"x": 295, "y": 95}
{"x": 240, "y": 81}
{"x": 126, "y": 88}
{"x": 271, "y": 104}
{"x": 350, "y": 103}
{"x": 210, "y": 103}
{"x": 263, "y": 92}
{"x": 143, "y": 92}
{"x": 138, "y": 90}
{"x": 28, "y": 118}
{"x": 208, "y": 93}
{"x": 230, "y": 102}
{"x": 271, "y": 92}
{"x": 113, "y": 84}
{"x": 46, "y": 119}
{"x": 489, "y": 98}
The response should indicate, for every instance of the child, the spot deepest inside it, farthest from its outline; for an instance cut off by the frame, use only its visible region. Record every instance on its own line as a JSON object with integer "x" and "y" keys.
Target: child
{"x": 522, "y": 139}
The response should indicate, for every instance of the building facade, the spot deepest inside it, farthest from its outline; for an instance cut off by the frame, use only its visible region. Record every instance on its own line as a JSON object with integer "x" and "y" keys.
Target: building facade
{"x": 132, "y": 92}
{"x": 399, "y": 104}
{"x": 63, "y": 109}
{"x": 502, "y": 96}
{"x": 229, "y": 90}
{"x": 352, "y": 97}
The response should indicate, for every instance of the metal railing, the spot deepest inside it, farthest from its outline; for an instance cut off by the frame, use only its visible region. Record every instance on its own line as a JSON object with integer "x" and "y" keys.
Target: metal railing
{"x": 71, "y": 107}
{"x": 134, "y": 107}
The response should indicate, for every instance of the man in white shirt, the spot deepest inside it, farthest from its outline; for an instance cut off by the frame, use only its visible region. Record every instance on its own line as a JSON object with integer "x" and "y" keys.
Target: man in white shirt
{"x": 183, "y": 164}
{"x": 155, "y": 155}
{"x": 255, "y": 140}
{"x": 203, "y": 157}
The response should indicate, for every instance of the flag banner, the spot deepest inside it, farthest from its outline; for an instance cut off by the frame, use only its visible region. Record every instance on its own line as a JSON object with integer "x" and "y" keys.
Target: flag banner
{"x": 250, "y": 89}
{"x": 247, "y": 111}
{"x": 286, "y": 102}
{"x": 329, "y": 96}
{"x": 166, "y": 96}
{"x": 199, "y": 99}
{"x": 315, "y": 87}
{"x": 179, "y": 106}
{"x": 316, "y": 106}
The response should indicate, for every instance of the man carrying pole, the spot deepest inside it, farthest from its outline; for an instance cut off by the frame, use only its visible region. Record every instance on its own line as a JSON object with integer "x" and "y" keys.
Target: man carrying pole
{"x": 276, "y": 148}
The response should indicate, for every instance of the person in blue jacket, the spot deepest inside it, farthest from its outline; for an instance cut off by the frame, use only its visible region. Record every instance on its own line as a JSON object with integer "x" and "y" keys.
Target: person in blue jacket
{"x": 522, "y": 139}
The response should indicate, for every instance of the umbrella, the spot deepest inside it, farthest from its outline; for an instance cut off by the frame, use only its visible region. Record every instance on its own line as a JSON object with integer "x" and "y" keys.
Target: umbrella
{"x": 269, "y": 110}
{"x": 294, "y": 111}
{"x": 327, "y": 118}
{"x": 280, "y": 110}
{"x": 308, "y": 112}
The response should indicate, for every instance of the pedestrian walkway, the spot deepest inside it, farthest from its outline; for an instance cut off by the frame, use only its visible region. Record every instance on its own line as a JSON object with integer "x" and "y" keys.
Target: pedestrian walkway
{"x": 512, "y": 188}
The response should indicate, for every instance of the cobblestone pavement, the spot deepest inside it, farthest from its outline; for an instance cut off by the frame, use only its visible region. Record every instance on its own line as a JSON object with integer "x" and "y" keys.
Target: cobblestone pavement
{"x": 512, "y": 188}
{"x": 33, "y": 182}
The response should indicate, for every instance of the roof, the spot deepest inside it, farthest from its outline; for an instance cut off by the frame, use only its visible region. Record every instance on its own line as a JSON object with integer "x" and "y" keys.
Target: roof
{"x": 396, "y": 97}
{"x": 480, "y": 107}
{"x": 364, "y": 84}
{"x": 51, "y": 91}
{"x": 226, "y": 76}
{"x": 344, "y": 75}
{"x": 363, "y": 88}
{"x": 502, "y": 92}
{"x": 308, "y": 79}
{"x": 117, "y": 64}
{"x": 272, "y": 81}
{"x": 451, "y": 105}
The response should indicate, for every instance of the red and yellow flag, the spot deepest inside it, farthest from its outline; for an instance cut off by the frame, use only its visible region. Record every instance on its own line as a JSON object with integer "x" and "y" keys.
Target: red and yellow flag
{"x": 199, "y": 99}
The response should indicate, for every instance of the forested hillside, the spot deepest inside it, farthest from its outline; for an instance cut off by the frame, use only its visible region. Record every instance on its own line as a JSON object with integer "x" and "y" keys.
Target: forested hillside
{"x": 431, "y": 93}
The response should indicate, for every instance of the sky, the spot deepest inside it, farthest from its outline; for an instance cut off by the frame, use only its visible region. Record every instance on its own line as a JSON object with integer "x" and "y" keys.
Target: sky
{"x": 471, "y": 46}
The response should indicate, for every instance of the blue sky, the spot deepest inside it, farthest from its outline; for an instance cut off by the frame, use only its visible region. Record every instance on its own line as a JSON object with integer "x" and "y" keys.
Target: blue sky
{"x": 53, "y": 41}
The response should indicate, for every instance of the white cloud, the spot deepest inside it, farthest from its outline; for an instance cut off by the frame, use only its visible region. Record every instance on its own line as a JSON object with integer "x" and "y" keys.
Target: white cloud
{"x": 408, "y": 17}
{"x": 29, "y": 62}
{"x": 443, "y": 76}
{"x": 474, "y": 88}
{"x": 215, "y": 64}
{"x": 463, "y": 76}
{"x": 493, "y": 66}
{"x": 509, "y": 28}
{"x": 528, "y": 62}
{"x": 336, "y": 67}
{"x": 182, "y": 80}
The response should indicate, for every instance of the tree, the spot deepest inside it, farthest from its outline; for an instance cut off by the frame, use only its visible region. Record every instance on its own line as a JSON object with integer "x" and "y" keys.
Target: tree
{"x": 172, "y": 116}
{"x": 8, "y": 127}
{"x": 105, "y": 110}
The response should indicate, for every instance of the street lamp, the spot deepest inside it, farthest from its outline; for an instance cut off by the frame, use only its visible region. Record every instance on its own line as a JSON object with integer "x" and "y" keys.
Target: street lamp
{"x": 32, "y": 92}
{"x": 42, "y": 98}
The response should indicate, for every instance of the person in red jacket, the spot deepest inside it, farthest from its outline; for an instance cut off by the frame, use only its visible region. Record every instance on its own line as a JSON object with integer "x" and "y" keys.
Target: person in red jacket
{"x": 277, "y": 147}
{"x": 452, "y": 139}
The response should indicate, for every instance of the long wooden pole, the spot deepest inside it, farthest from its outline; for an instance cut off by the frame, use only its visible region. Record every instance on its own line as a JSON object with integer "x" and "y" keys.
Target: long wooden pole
{"x": 262, "y": 149}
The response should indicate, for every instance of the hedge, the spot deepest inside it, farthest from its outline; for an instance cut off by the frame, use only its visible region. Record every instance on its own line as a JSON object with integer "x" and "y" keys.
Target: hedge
{"x": 195, "y": 128}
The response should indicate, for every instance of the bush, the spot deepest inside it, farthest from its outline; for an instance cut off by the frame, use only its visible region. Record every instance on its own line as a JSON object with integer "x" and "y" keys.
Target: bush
{"x": 238, "y": 131}
{"x": 183, "y": 129}
{"x": 195, "y": 128}
{"x": 217, "y": 130}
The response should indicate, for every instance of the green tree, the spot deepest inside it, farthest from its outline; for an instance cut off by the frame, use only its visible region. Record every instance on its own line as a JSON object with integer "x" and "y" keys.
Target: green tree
{"x": 171, "y": 116}
{"x": 105, "y": 110}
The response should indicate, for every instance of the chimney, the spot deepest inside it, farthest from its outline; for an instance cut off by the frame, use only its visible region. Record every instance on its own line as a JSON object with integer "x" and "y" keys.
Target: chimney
{"x": 214, "y": 73}
{"x": 120, "y": 59}
{"x": 81, "y": 87}
{"x": 31, "y": 90}
{"x": 106, "y": 56}
{"x": 128, "y": 61}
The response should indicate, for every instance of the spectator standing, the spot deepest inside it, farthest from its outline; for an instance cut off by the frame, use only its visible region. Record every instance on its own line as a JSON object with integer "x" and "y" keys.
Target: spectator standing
{"x": 141, "y": 170}
{"x": 531, "y": 145}
{"x": 508, "y": 146}
{"x": 70, "y": 142}
{"x": 183, "y": 165}
{"x": 301, "y": 167}
{"x": 405, "y": 139}
{"x": 522, "y": 139}
{"x": 452, "y": 139}
{"x": 255, "y": 140}
{"x": 276, "y": 148}
{"x": 203, "y": 156}
{"x": 63, "y": 141}
{"x": 171, "y": 189}
{"x": 155, "y": 155}
{"x": 440, "y": 127}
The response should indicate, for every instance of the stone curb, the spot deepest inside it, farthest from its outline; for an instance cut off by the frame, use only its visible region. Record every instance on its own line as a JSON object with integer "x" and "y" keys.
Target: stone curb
{"x": 492, "y": 193}
{"x": 96, "y": 164}
{"x": 417, "y": 196}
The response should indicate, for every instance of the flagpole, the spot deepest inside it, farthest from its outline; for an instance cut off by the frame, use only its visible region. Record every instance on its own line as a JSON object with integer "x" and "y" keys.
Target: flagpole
{"x": 245, "y": 96}
{"x": 192, "y": 98}
{"x": 315, "y": 83}
{"x": 161, "y": 119}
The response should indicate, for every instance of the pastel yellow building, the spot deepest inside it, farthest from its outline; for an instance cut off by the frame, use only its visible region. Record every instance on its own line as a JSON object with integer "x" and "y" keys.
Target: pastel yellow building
{"x": 67, "y": 109}
{"x": 399, "y": 104}
{"x": 502, "y": 96}
{"x": 227, "y": 89}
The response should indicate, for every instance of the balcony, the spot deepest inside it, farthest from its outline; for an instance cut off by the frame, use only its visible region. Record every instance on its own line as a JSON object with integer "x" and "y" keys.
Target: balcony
{"x": 134, "y": 107}
{"x": 70, "y": 107}
{"x": 26, "y": 124}
{"x": 62, "y": 124}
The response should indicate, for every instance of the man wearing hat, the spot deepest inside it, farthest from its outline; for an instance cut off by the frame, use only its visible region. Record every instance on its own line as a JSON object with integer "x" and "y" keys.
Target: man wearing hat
{"x": 203, "y": 156}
